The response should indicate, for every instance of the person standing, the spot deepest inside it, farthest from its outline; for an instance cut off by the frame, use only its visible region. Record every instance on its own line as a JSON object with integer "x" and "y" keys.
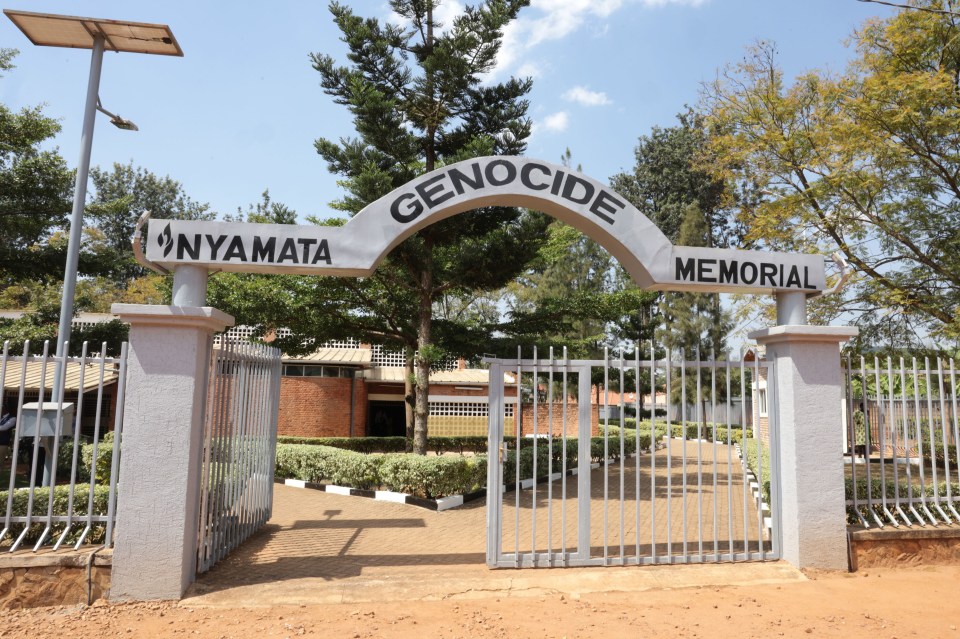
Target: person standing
{"x": 8, "y": 422}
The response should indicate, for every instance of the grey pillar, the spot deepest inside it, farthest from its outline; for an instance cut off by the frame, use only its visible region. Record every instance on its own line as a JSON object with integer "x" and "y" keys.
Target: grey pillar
{"x": 158, "y": 506}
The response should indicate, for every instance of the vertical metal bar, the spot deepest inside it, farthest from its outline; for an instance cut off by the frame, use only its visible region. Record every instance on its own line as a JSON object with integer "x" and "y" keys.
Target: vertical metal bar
{"x": 905, "y": 436}
{"x": 536, "y": 437}
{"x": 919, "y": 433}
{"x": 117, "y": 443}
{"x": 495, "y": 461}
{"x": 882, "y": 421}
{"x": 713, "y": 440}
{"x": 701, "y": 419}
{"x": 95, "y": 453}
{"x": 606, "y": 449}
{"x": 563, "y": 480}
{"x": 944, "y": 439}
{"x": 933, "y": 444}
{"x": 516, "y": 476}
{"x": 207, "y": 512}
{"x": 729, "y": 457}
{"x": 754, "y": 418}
{"x": 683, "y": 435}
{"x": 667, "y": 364}
{"x": 896, "y": 443}
{"x": 636, "y": 411}
{"x": 50, "y": 464}
{"x": 550, "y": 459}
{"x": 584, "y": 423}
{"x": 3, "y": 379}
{"x": 653, "y": 453}
{"x": 770, "y": 429}
{"x": 956, "y": 429}
{"x": 868, "y": 415}
{"x": 76, "y": 445}
{"x": 623, "y": 418}
{"x": 36, "y": 445}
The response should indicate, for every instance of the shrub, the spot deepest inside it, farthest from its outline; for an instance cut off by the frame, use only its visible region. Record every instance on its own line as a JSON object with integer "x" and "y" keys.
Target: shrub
{"x": 432, "y": 477}
{"x": 756, "y": 451}
{"x": 104, "y": 459}
{"x": 61, "y": 497}
{"x": 324, "y": 463}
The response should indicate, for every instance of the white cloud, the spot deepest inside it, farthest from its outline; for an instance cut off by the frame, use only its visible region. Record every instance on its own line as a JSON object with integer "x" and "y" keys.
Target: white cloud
{"x": 556, "y": 122}
{"x": 529, "y": 70}
{"x": 586, "y": 97}
{"x": 548, "y": 20}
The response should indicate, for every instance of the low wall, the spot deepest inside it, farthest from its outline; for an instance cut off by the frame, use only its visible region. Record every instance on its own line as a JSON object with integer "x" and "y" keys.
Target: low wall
{"x": 29, "y": 581}
{"x": 892, "y": 547}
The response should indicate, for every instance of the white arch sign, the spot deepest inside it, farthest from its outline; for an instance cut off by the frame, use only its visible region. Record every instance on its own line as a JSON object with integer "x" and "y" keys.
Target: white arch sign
{"x": 356, "y": 248}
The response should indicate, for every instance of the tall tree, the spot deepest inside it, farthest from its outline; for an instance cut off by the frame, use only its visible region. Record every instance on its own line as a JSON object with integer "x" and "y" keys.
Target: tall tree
{"x": 865, "y": 163}
{"x": 416, "y": 93}
{"x": 35, "y": 189}
{"x": 121, "y": 196}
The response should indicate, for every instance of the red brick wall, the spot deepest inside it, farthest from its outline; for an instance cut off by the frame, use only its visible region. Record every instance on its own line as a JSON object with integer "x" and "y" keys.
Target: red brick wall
{"x": 543, "y": 419}
{"x": 320, "y": 407}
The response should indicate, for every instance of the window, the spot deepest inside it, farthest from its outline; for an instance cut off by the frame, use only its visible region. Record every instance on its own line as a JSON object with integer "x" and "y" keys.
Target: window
{"x": 762, "y": 401}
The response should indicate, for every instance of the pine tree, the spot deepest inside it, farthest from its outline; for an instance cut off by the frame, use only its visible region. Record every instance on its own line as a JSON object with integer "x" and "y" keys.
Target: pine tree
{"x": 416, "y": 94}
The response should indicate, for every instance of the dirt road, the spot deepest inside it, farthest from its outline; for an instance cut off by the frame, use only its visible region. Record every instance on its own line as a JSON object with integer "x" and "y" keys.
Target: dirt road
{"x": 879, "y": 604}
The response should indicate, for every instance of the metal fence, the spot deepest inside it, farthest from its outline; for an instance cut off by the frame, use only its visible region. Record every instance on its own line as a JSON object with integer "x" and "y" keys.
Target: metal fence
{"x": 677, "y": 491}
{"x": 901, "y": 442}
{"x": 240, "y": 439}
{"x": 65, "y": 441}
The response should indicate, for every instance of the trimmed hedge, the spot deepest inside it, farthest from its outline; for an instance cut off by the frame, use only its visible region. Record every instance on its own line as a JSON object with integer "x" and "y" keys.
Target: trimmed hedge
{"x": 61, "y": 496}
{"x": 428, "y": 477}
{"x": 437, "y": 445}
{"x": 752, "y": 449}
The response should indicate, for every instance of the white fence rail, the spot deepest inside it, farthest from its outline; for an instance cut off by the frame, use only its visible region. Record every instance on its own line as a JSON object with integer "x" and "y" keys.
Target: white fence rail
{"x": 240, "y": 442}
{"x": 68, "y": 418}
{"x": 902, "y": 434}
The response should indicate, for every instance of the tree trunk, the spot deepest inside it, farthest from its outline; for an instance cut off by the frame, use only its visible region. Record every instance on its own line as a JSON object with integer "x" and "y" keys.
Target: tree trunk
{"x": 424, "y": 354}
{"x": 409, "y": 397}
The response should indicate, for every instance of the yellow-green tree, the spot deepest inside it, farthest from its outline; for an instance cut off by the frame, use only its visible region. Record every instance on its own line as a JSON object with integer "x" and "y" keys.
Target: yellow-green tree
{"x": 866, "y": 162}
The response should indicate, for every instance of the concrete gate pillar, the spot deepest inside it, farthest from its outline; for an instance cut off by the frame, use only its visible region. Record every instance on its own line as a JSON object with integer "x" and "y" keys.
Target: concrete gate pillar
{"x": 155, "y": 550}
{"x": 807, "y": 437}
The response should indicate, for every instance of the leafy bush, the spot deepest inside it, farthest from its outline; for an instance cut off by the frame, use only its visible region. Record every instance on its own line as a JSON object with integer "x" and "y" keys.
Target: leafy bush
{"x": 104, "y": 459}
{"x": 756, "y": 452}
{"x": 432, "y": 477}
{"x": 324, "y": 463}
{"x": 61, "y": 497}
{"x": 438, "y": 445}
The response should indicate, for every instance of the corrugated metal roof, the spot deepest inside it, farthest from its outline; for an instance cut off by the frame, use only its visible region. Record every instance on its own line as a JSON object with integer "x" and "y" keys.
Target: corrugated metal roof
{"x": 357, "y": 356}
{"x": 91, "y": 377}
{"x": 465, "y": 376}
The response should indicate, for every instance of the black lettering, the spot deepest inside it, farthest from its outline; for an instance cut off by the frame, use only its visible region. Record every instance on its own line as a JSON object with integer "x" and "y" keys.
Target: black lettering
{"x": 781, "y": 275}
{"x": 184, "y": 246}
{"x": 748, "y": 279}
{"x": 525, "y": 176}
{"x": 289, "y": 251}
{"x": 414, "y": 209}
{"x": 806, "y": 279}
{"x": 235, "y": 250}
{"x": 215, "y": 245}
{"x": 728, "y": 272}
{"x": 706, "y": 274}
{"x": 263, "y": 251}
{"x": 572, "y": 183}
{"x": 427, "y": 193}
{"x": 458, "y": 179}
{"x": 323, "y": 253}
{"x": 306, "y": 243}
{"x": 685, "y": 271}
{"x": 767, "y": 273}
{"x": 491, "y": 177}
{"x": 794, "y": 278}
{"x": 602, "y": 205}
{"x": 557, "y": 181}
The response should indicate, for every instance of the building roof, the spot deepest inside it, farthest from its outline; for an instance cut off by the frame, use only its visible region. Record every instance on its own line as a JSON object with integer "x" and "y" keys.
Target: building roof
{"x": 355, "y": 356}
{"x": 91, "y": 376}
{"x": 463, "y": 376}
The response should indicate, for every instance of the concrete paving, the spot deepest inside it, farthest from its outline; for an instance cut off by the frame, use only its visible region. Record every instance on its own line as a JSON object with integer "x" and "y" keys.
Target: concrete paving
{"x": 326, "y": 548}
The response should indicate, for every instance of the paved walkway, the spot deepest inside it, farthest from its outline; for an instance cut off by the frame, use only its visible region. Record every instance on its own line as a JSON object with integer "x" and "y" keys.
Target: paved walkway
{"x": 327, "y": 548}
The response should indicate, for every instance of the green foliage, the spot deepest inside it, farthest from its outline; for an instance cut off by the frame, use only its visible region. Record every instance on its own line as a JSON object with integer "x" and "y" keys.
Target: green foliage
{"x": 61, "y": 499}
{"x": 758, "y": 459}
{"x": 438, "y": 445}
{"x": 432, "y": 477}
{"x": 104, "y": 452}
{"x": 35, "y": 190}
{"x": 863, "y": 163}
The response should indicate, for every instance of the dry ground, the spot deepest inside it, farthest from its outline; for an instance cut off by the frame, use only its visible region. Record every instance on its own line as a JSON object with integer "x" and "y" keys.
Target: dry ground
{"x": 879, "y": 604}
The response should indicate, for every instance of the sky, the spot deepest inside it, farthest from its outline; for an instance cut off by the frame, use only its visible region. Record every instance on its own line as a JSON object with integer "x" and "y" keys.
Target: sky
{"x": 239, "y": 113}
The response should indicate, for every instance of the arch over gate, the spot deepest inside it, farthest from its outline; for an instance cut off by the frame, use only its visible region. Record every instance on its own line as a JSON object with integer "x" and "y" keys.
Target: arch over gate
{"x": 356, "y": 248}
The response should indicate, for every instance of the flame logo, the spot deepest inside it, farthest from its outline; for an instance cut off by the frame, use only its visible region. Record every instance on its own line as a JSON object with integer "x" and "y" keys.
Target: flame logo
{"x": 166, "y": 240}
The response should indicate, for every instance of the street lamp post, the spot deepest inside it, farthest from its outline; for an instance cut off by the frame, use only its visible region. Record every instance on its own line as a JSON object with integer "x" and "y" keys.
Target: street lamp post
{"x": 44, "y": 29}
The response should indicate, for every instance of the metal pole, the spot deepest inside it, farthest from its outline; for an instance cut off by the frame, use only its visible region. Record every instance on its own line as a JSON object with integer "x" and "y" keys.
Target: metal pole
{"x": 791, "y": 308}
{"x": 76, "y": 216}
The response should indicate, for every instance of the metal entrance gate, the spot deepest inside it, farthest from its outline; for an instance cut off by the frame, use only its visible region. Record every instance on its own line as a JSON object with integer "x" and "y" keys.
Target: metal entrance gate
{"x": 567, "y": 487}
